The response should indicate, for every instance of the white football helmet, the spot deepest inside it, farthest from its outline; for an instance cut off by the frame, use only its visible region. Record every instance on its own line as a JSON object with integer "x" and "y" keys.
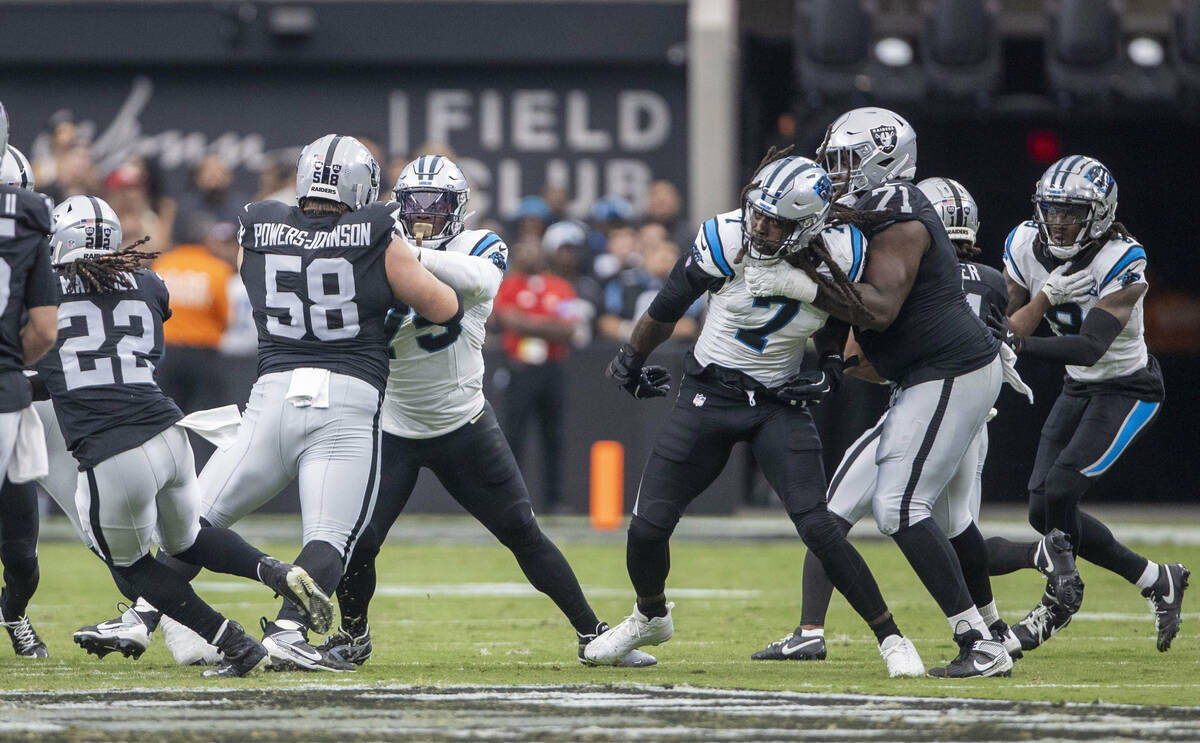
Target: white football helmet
{"x": 432, "y": 190}
{"x": 3, "y": 128}
{"x": 338, "y": 168}
{"x": 1076, "y": 189}
{"x": 15, "y": 170}
{"x": 868, "y": 146}
{"x": 955, "y": 205}
{"x": 793, "y": 192}
{"x": 83, "y": 226}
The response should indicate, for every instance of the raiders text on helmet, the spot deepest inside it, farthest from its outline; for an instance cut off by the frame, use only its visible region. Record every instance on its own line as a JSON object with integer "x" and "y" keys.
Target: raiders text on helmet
{"x": 339, "y": 169}
{"x": 1076, "y": 188}
{"x": 955, "y": 205}
{"x": 432, "y": 191}
{"x": 793, "y": 191}
{"x": 83, "y": 226}
{"x": 869, "y": 146}
{"x": 15, "y": 170}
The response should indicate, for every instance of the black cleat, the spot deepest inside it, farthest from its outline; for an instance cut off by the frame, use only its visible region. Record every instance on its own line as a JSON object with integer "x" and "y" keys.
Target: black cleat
{"x": 348, "y": 648}
{"x": 241, "y": 654}
{"x": 795, "y": 646}
{"x": 977, "y": 658}
{"x": 1165, "y": 598}
{"x": 1043, "y": 622}
{"x": 128, "y": 634}
{"x": 294, "y": 584}
{"x": 1054, "y": 559}
{"x": 633, "y": 659}
{"x": 25, "y": 640}
{"x": 1003, "y": 634}
{"x": 287, "y": 643}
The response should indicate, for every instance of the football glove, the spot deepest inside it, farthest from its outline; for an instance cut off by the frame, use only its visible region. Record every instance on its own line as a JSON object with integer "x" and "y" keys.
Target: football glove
{"x": 779, "y": 280}
{"x": 812, "y": 387}
{"x": 1062, "y": 287}
{"x": 628, "y": 371}
{"x": 997, "y": 322}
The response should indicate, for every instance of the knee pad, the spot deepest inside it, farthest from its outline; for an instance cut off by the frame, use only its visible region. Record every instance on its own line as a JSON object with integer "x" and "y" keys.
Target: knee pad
{"x": 819, "y": 528}
{"x": 643, "y": 531}
{"x": 521, "y": 538}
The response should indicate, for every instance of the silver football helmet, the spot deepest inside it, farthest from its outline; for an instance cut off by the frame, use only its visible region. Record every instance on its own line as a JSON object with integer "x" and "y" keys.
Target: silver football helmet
{"x": 868, "y": 146}
{"x": 432, "y": 191}
{"x": 794, "y": 195}
{"x": 955, "y": 205}
{"x": 338, "y": 168}
{"x": 3, "y": 128}
{"x": 83, "y": 226}
{"x": 1076, "y": 190}
{"x": 15, "y": 170}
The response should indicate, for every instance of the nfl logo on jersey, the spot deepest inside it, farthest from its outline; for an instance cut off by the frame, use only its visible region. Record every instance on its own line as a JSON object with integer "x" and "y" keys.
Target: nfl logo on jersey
{"x": 699, "y": 400}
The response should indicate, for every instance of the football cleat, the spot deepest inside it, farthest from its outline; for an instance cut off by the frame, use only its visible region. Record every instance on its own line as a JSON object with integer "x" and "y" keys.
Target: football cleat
{"x": 635, "y": 659}
{"x": 187, "y": 647}
{"x": 294, "y": 584}
{"x": 1043, "y": 622}
{"x": 241, "y": 653}
{"x": 25, "y": 640}
{"x": 287, "y": 643}
{"x": 347, "y": 647}
{"x": 1165, "y": 598}
{"x": 901, "y": 657}
{"x": 128, "y": 634}
{"x": 1054, "y": 559}
{"x": 977, "y": 658}
{"x": 611, "y": 647}
{"x": 1003, "y": 634}
{"x": 796, "y": 646}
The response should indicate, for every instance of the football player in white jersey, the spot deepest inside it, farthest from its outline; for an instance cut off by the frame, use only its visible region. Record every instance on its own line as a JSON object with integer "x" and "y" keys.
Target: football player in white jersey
{"x": 743, "y": 382}
{"x": 1078, "y": 267}
{"x": 435, "y": 415}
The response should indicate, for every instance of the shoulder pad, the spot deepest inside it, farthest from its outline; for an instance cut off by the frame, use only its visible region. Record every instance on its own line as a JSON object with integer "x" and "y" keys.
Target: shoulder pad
{"x": 1119, "y": 260}
{"x": 718, "y": 243}
{"x": 848, "y": 247}
{"x": 1017, "y": 245}
{"x": 902, "y": 197}
{"x": 477, "y": 242}
{"x": 32, "y": 210}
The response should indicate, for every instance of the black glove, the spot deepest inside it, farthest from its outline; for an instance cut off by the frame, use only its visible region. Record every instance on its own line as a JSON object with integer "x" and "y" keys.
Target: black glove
{"x": 997, "y": 322}
{"x": 627, "y": 370}
{"x": 812, "y": 387}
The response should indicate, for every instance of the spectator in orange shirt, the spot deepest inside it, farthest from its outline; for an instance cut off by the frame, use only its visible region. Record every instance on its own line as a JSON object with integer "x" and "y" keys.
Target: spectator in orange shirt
{"x": 536, "y": 310}
{"x": 197, "y": 273}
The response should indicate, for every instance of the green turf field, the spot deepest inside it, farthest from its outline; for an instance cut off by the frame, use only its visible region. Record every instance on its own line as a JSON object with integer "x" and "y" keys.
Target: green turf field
{"x": 460, "y": 613}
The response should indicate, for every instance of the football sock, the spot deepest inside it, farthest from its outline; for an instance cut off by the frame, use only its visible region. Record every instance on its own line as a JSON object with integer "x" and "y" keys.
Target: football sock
{"x": 973, "y": 556}
{"x": 883, "y": 629}
{"x": 357, "y": 587}
{"x": 1099, "y": 546}
{"x": 18, "y": 546}
{"x": 1148, "y": 577}
{"x": 647, "y": 557}
{"x": 990, "y": 613}
{"x": 1063, "y": 489}
{"x": 323, "y": 562}
{"x": 817, "y": 589}
{"x": 846, "y": 569}
{"x": 549, "y": 572}
{"x": 972, "y": 617}
{"x": 652, "y": 606}
{"x": 223, "y": 551}
{"x": 1006, "y": 557}
{"x": 187, "y": 570}
{"x": 935, "y": 563}
{"x": 166, "y": 589}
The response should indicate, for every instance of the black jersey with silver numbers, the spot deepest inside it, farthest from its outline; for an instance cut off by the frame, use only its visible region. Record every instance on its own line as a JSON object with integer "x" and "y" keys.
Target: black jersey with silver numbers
{"x": 25, "y": 281}
{"x": 319, "y": 288}
{"x": 984, "y": 286}
{"x": 936, "y": 335}
{"x": 101, "y": 371}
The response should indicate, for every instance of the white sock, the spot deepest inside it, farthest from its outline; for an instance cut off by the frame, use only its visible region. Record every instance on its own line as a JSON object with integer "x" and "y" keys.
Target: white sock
{"x": 989, "y": 613}
{"x": 1149, "y": 576}
{"x": 818, "y": 632}
{"x": 143, "y": 605}
{"x": 971, "y": 617}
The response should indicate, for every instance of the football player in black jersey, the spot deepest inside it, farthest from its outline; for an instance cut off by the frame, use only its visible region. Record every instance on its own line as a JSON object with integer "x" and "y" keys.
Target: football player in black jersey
{"x": 137, "y": 480}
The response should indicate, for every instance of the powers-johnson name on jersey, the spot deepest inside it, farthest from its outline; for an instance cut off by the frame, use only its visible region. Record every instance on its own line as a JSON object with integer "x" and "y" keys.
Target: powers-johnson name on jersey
{"x": 1117, "y": 264}
{"x": 763, "y": 337}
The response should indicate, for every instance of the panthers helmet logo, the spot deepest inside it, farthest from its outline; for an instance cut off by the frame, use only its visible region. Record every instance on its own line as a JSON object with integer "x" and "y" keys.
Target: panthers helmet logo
{"x": 1099, "y": 177}
{"x": 884, "y": 137}
{"x": 824, "y": 188}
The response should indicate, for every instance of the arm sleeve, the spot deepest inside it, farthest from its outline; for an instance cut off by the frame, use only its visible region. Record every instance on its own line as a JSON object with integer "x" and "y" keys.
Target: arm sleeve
{"x": 1098, "y": 332}
{"x": 687, "y": 283}
{"x": 39, "y": 285}
{"x": 477, "y": 278}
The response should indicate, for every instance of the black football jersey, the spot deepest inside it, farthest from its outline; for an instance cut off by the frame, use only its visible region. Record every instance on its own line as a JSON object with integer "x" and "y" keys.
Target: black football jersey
{"x": 25, "y": 281}
{"x": 984, "y": 286}
{"x": 101, "y": 371}
{"x": 936, "y": 335}
{"x": 319, "y": 288}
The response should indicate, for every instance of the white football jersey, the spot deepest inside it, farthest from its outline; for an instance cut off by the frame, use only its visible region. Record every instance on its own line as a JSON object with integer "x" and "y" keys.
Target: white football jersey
{"x": 435, "y": 384}
{"x": 1119, "y": 264}
{"x": 763, "y": 337}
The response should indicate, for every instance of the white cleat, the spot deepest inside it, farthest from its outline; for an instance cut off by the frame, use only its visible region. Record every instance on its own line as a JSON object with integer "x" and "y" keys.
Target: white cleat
{"x": 638, "y": 630}
{"x": 188, "y": 648}
{"x": 901, "y": 657}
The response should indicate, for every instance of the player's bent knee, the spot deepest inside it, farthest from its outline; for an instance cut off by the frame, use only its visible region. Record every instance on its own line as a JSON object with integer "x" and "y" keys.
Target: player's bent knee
{"x": 820, "y": 528}
{"x": 1065, "y": 485}
{"x": 643, "y": 531}
{"x": 521, "y": 538}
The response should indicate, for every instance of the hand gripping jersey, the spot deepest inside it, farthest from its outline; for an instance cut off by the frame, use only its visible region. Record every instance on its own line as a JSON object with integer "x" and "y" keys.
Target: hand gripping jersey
{"x": 101, "y": 371}
{"x": 318, "y": 287}
{"x": 1117, "y": 264}
{"x": 436, "y": 380}
{"x": 936, "y": 335}
{"x": 25, "y": 281}
{"x": 762, "y": 337}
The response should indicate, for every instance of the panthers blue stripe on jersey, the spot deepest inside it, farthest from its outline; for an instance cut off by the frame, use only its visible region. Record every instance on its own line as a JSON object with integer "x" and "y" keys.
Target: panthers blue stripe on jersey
{"x": 712, "y": 236}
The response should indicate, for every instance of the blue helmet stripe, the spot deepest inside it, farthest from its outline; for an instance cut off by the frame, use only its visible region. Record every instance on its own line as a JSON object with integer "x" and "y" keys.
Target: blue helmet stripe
{"x": 782, "y": 164}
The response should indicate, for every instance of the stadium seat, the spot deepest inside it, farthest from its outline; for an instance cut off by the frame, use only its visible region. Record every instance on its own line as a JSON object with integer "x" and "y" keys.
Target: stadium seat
{"x": 962, "y": 49}
{"x": 1083, "y": 52}
{"x": 832, "y": 39}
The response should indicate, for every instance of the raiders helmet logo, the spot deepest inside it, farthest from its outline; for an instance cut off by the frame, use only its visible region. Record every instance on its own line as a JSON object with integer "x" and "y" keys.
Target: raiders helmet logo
{"x": 885, "y": 137}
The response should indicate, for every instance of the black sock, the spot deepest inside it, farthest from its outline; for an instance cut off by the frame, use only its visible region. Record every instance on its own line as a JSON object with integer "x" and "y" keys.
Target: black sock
{"x": 323, "y": 562}
{"x": 223, "y": 551}
{"x": 549, "y": 572}
{"x": 935, "y": 563}
{"x": 357, "y": 587}
{"x": 1006, "y": 557}
{"x": 1063, "y": 489}
{"x": 973, "y": 556}
{"x": 652, "y": 606}
{"x": 21, "y": 578}
{"x": 172, "y": 595}
{"x": 648, "y": 557}
{"x": 1099, "y": 546}
{"x": 817, "y": 589}
{"x": 885, "y": 628}
{"x": 18, "y": 547}
{"x": 188, "y": 571}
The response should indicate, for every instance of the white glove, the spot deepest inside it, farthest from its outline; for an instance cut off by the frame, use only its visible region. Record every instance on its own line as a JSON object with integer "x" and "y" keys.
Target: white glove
{"x": 779, "y": 280}
{"x": 1060, "y": 288}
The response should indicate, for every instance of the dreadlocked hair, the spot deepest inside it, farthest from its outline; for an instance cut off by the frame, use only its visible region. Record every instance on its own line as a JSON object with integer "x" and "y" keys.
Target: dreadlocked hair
{"x": 773, "y": 154}
{"x": 107, "y": 272}
{"x": 1115, "y": 230}
{"x": 966, "y": 250}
